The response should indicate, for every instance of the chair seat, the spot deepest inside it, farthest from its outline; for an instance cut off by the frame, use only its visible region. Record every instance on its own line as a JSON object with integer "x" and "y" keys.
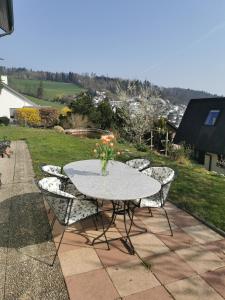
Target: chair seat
{"x": 80, "y": 210}
{"x": 54, "y": 170}
{"x": 152, "y": 202}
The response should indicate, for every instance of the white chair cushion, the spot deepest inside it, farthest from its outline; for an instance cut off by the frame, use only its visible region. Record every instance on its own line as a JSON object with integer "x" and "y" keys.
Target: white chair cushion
{"x": 53, "y": 170}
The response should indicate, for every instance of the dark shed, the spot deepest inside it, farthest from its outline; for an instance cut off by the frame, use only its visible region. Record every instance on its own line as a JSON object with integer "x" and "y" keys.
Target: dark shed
{"x": 203, "y": 125}
{"x": 6, "y": 17}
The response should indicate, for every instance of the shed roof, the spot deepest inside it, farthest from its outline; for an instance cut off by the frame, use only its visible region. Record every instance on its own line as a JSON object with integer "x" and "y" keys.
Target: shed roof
{"x": 19, "y": 95}
{"x": 193, "y": 130}
{"x": 6, "y": 17}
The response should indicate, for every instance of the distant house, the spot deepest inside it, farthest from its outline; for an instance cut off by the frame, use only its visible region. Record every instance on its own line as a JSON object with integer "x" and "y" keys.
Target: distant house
{"x": 11, "y": 99}
{"x": 203, "y": 127}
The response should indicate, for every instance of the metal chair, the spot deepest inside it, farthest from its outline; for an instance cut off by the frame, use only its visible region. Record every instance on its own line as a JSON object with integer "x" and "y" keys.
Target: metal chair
{"x": 165, "y": 176}
{"x": 57, "y": 171}
{"x": 67, "y": 208}
{"x": 138, "y": 163}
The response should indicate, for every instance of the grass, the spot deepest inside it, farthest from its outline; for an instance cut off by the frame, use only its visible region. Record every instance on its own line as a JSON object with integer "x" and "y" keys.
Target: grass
{"x": 195, "y": 189}
{"x": 42, "y": 102}
{"x": 51, "y": 89}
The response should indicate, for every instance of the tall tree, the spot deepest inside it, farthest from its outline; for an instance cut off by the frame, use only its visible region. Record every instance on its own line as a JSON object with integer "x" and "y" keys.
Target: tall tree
{"x": 40, "y": 90}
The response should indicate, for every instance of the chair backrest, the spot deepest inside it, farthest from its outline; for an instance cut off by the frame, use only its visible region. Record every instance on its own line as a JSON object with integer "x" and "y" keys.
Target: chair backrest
{"x": 53, "y": 185}
{"x": 165, "y": 176}
{"x": 61, "y": 202}
{"x": 53, "y": 170}
{"x": 138, "y": 163}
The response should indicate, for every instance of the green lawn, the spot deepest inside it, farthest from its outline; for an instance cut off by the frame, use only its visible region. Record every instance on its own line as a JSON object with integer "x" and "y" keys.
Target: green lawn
{"x": 46, "y": 102}
{"x": 194, "y": 189}
{"x": 52, "y": 89}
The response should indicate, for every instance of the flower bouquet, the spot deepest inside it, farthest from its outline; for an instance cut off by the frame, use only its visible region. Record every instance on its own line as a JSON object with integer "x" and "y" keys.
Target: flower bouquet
{"x": 105, "y": 151}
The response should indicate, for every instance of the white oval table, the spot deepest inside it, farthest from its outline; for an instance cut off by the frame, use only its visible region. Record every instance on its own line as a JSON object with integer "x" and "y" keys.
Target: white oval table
{"x": 122, "y": 183}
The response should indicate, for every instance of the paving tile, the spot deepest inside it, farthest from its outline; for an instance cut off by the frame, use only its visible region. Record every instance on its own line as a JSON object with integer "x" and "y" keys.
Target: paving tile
{"x": 183, "y": 219}
{"x": 79, "y": 261}
{"x": 72, "y": 241}
{"x": 116, "y": 255}
{"x": 156, "y": 293}
{"x": 2, "y": 293}
{"x": 36, "y": 251}
{"x": 131, "y": 277}
{"x": 218, "y": 247}
{"x": 94, "y": 285}
{"x": 200, "y": 259}
{"x": 179, "y": 240}
{"x": 202, "y": 234}
{"x": 31, "y": 279}
{"x": 3, "y": 253}
{"x": 216, "y": 279}
{"x": 169, "y": 267}
{"x": 112, "y": 233}
{"x": 2, "y": 276}
{"x": 192, "y": 288}
{"x": 4, "y": 214}
{"x": 157, "y": 224}
{"x": 146, "y": 244}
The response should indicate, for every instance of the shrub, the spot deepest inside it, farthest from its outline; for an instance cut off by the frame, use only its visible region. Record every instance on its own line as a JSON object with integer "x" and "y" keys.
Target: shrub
{"x": 65, "y": 110}
{"x": 49, "y": 116}
{"x": 181, "y": 153}
{"x": 75, "y": 121}
{"x": 28, "y": 116}
{"x": 141, "y": 147}
{"x": 4, "y": 121}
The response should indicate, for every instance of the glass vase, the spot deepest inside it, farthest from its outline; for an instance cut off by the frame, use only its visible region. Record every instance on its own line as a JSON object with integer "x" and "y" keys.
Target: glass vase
{"x": 104, "y": 167}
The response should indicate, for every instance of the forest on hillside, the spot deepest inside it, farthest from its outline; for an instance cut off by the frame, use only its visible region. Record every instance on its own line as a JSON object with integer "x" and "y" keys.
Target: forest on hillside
{"x": 93, "y": 82}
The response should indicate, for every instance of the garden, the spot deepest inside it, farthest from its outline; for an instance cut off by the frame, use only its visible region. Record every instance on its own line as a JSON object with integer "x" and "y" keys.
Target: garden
{"x": 194, "y": 189}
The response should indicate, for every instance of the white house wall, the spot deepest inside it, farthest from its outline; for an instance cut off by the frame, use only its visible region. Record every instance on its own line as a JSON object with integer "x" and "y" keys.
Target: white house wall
{"x": 10, "y": 100}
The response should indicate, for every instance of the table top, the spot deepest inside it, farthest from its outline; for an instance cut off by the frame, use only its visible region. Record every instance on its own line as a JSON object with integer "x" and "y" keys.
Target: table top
{"x": 121, "y": 183}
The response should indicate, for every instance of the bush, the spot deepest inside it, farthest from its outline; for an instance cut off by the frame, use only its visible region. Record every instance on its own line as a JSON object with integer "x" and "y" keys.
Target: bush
{"x": 65, "y": 110}
{"x": 49, "y": 116}
{"x": 28, "y": 116}
{"x": 4, "y": 121}
{"x": 141, "y": 147}
{"x": 181, "y": 153}
{"x": 75, "y": 121}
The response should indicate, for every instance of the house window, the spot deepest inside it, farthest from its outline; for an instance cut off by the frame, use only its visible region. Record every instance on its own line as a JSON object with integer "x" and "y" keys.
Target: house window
{"x": 212, "y": 117}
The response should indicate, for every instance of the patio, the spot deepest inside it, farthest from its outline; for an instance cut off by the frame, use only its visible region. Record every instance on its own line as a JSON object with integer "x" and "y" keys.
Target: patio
{"x": 189, "y": 265}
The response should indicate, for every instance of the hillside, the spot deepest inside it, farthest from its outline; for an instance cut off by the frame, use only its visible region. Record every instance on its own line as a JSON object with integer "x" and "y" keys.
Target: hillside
{"x": 43, "y": 102}
{"x": 58, "y": 85}
{"x": 183, "y": 96}
{"x": 51, "y": 89}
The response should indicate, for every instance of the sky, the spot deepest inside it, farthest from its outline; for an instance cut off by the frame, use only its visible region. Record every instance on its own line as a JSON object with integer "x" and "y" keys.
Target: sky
{"x": 172, "y": 43}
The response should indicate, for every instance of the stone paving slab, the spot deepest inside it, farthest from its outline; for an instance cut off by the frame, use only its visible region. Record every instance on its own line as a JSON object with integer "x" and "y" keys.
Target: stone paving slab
{"x": 25, "y": 251}
{"x": 189, "y": 265}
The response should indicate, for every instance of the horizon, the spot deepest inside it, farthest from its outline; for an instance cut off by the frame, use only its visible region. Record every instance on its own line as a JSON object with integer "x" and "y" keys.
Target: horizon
{"x": 121, "y": 78}
{"x": 171, "y": 45}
